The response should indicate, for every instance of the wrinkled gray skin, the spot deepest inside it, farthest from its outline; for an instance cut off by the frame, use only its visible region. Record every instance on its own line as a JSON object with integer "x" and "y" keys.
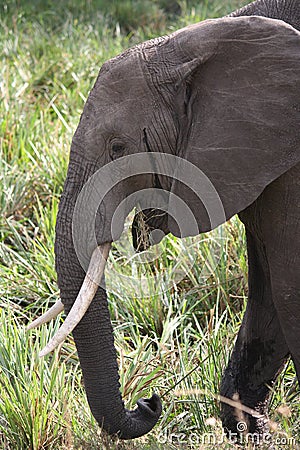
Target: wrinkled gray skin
{"x": 206, "y": 94}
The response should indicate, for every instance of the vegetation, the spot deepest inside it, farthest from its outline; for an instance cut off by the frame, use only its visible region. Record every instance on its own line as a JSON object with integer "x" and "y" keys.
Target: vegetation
{"x": 174, "y": 338}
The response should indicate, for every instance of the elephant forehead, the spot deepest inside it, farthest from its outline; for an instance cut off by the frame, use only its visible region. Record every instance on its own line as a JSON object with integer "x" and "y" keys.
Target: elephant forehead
{"x": 120, "y": 115}
{"x": 122, "y": 87}
{"x": 121, "y": 96}
{"x": 121, "y": 80}
{"x": 114, "y": 106}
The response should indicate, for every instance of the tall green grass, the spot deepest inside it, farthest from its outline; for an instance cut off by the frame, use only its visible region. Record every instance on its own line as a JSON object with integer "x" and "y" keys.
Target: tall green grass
{"x": 175, "y": 319}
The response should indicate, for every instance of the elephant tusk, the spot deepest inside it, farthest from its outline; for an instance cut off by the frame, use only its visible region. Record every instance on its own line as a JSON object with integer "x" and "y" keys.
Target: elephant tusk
{"x": 84, "y": 298}
{"x": 50, "y": 314}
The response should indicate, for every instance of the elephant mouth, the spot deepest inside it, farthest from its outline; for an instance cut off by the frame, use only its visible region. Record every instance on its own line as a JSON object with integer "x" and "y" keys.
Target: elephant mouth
{"x": 149, "y": 226}
{"x": 84, "y": 298}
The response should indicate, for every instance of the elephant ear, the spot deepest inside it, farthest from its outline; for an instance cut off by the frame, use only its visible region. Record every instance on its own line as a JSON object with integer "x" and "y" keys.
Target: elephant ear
{"x": 239, "y": 82}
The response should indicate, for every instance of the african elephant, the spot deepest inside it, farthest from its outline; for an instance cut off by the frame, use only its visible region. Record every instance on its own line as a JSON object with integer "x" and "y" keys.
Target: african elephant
{"x": 222, "y": 96}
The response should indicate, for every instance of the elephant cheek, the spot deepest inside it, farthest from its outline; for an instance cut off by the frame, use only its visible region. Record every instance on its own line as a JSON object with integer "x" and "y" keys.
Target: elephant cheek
{"x": 109, "y": 225}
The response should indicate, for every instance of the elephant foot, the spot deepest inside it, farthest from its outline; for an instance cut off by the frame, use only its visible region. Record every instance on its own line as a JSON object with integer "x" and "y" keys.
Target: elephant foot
{"x": 241, "y": 426}
{"x": 244, "y": 411}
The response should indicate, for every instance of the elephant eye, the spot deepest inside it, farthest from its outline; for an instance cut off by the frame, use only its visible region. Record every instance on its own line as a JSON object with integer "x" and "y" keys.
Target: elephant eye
{"x": 117, "y": 150}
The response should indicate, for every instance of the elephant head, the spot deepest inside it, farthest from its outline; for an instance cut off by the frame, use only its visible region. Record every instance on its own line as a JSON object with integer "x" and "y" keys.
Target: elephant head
{"x": 219, "y": 99}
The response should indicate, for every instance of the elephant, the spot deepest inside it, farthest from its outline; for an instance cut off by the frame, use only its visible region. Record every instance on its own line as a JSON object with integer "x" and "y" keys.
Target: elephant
{"x": 221, "y": 97}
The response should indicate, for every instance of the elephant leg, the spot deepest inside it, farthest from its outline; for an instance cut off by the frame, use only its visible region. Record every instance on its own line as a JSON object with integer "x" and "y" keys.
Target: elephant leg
{"x": 284, "y": 257}
{"x": 287, "y": 302}
{"x": 271, "y": 327}
{"x": 260, "y": 350}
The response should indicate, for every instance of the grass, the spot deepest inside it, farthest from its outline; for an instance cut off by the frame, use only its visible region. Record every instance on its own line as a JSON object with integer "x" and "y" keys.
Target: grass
{"x": 172, "y": 337}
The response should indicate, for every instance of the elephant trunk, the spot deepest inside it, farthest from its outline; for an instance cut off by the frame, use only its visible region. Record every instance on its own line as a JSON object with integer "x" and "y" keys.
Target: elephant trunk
{"x": 94, "y": 334}
{"x": 286, "y": 10}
